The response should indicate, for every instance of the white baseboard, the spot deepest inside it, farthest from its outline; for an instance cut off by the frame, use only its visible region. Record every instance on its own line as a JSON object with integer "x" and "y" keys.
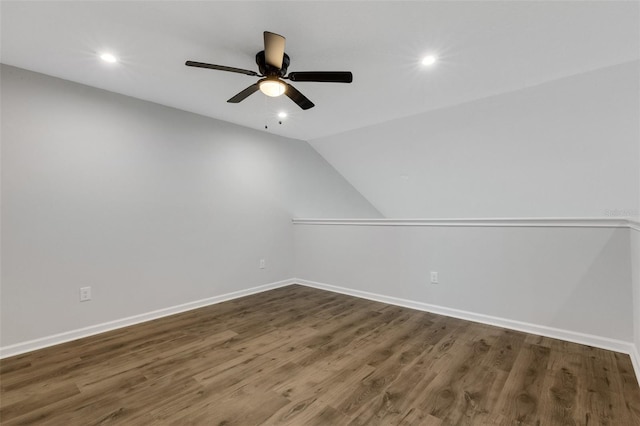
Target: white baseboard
{"x": 31, "y": 345}
{"x": 541, "y": 330}
{"x": 635, "y": 360}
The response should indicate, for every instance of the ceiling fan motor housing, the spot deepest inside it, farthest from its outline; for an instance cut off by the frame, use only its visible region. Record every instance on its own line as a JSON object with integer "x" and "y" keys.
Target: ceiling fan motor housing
{"x": 269, "y": 70}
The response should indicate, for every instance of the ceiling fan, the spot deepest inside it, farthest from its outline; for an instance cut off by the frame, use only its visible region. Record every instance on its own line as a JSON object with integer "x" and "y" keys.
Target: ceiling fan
{"x": 273, "y": 63}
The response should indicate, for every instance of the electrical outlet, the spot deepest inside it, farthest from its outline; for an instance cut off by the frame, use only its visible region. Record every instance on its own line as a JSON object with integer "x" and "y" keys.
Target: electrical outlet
{"x": 85, "y": 294}
{"x": 263, "y": 263}
{"x": 434, "y": 277}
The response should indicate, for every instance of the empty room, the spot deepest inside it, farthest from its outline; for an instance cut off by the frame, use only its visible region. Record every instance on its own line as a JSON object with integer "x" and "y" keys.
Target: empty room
{"x": 320, "y": 213}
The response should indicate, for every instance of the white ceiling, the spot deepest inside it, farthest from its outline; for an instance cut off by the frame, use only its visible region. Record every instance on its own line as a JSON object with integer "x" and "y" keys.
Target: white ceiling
{"x": 485, "y": 48}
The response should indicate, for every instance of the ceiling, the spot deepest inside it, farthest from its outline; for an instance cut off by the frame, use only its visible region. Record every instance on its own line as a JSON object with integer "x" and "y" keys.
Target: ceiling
{"x": 484, "y": 48}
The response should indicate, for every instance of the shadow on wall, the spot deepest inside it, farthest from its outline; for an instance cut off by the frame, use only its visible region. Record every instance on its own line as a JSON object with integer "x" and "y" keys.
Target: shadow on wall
{"x": 578, "y": 307}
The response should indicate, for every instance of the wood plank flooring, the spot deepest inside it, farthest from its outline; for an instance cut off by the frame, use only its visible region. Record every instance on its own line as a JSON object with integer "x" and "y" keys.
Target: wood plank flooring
{"x": 301, "y": 356}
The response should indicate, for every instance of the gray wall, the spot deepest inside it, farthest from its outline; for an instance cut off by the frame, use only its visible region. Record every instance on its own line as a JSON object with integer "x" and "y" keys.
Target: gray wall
{"x": 572, "y": 279}
{"x": 150, "y": 206}
{"x": 564, "y": 148}
{"x": 635, "y": 265}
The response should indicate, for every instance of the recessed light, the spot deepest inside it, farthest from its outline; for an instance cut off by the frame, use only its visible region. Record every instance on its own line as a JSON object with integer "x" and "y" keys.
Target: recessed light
{"x": 282, "y": 114}
{"x": 108, "y": 57}
{"x": 429, "y": 60}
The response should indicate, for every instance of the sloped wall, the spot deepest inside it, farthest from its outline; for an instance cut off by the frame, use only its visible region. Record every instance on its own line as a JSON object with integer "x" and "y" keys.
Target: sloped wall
{"x": 567, "y": 148}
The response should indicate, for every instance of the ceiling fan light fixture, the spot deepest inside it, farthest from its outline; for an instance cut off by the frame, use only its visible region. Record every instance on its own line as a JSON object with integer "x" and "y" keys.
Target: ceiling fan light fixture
{"x": 272, "y": 87}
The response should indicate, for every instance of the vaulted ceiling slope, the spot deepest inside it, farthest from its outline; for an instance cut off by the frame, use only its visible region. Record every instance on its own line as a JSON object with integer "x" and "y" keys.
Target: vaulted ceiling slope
{"x": 566, "y": 148}
{"x": 484, "y": 48}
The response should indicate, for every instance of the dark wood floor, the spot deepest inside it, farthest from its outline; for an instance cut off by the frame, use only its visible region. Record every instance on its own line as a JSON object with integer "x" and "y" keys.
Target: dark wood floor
{"x": 302, "y": 356}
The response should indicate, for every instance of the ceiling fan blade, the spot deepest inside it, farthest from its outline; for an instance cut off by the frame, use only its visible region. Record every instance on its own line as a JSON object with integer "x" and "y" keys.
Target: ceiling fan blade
{"x": 220, "y": 68}
{"x": 273, "y": 49}
{"x": 322, "y": 76}
{"x": 244, "y": 94}
{"x": 297, "y": 97}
